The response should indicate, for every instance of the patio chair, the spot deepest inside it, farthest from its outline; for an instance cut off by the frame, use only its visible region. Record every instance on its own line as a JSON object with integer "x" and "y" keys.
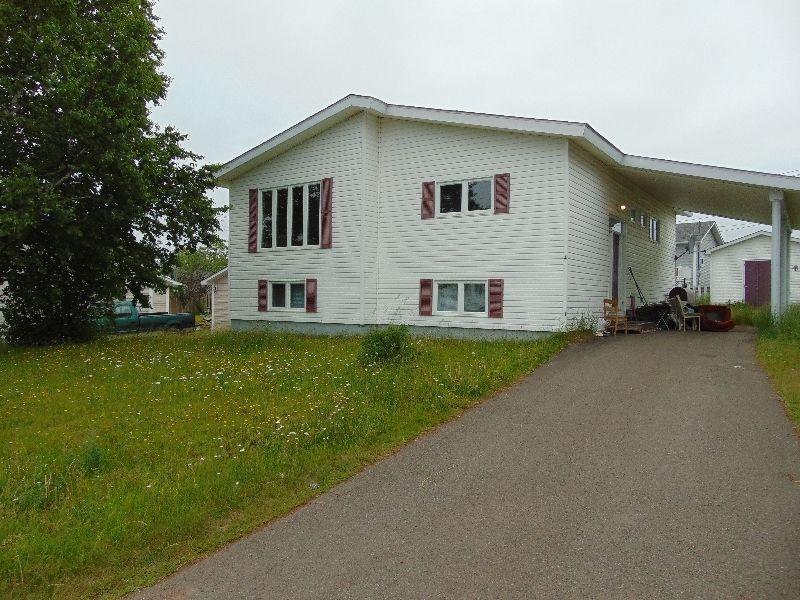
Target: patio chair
{"x": 681, "y": 316}
{"x": 613, "y": 317}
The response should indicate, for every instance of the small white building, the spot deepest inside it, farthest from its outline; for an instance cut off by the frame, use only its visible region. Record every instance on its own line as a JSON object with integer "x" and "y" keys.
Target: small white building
{"x": 692, "y": 243}
{"x": 369, "y": 213}
{"x": 220, "y": 313}
{"x": 159, "y": 301}
{"x": 741, "y": 270}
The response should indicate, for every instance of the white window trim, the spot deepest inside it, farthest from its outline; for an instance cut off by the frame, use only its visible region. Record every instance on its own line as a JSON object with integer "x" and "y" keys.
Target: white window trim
{"x": 460, "y": 312}
{"x": 287, "y": 283}
{"x": 464, "y": 197}
{"x": 655, "y": 230}
{"x": 289, "y": 215}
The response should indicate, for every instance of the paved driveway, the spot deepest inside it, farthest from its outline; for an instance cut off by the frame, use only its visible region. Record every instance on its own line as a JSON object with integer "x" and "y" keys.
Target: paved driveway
{"x": 655, "y": 466}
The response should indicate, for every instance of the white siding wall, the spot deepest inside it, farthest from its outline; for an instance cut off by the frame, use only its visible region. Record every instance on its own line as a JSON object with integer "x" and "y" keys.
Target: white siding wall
{"x": 220, "y": 309}
{"x": 524, "y": 247}
{"x": 595, "y": 195}
{"x": 338, "y": 153}
{"x": 158, "y": 300}
{"x": 727, "y": 268}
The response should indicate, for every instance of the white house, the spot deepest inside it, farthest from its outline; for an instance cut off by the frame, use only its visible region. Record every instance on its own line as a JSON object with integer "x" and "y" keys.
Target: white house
{"x": 370, "y": 213}
{"x": 741, "y": 270}
{"x": 692, "y": 243}
{"x": 220, "y": 313}
{"x": 158, "y": 301}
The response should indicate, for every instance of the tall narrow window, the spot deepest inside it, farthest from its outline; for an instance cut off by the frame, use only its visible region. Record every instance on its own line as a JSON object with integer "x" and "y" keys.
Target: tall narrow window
{"x": 266, "y": 219}
{"x": 297, "y": 216}
{"x": 282, "y": 216}
{"x": 313, "y": 214}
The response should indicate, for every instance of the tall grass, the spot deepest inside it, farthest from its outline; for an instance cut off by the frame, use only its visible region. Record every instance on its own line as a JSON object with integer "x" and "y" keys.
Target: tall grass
{"x": 123, "y": 459}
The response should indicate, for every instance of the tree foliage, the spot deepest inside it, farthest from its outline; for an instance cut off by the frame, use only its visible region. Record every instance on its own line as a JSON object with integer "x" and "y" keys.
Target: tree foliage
{"x": 193, "y": 267}
{"x": 94, "y": 197}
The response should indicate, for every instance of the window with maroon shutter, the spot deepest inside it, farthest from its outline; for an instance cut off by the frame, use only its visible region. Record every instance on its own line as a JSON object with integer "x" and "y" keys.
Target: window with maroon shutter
{"x": 425, "y": 297}
{"x": 502, "y": 193}
{"x": 263, "y": 299}
{"x": 327, "y": 213}
{"x": 428, "y": 191}
{"x": 252, "y": 231}
{"x": 496, "y": 298}
{"x": 311, "y": 295}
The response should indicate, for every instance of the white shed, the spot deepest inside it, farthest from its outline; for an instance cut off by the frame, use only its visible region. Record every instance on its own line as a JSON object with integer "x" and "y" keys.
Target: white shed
{"x": 158, "y": 301}
{"x": 740, "y": 270}
{"x": 220, "y": 313}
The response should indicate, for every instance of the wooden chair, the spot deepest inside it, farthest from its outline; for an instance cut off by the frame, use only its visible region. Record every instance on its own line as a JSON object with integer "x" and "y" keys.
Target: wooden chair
{"x": 613, "y": 317}
{"x": 681, "y": 316}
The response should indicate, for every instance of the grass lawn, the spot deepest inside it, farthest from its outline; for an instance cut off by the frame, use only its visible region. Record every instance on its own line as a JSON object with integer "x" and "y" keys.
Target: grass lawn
{"x": 778, "y": 350}
{"x": 124, "y": 459}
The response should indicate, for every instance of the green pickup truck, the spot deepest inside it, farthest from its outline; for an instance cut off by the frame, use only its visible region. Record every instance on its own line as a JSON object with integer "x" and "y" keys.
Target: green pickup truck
{"x": 128, "y": 318}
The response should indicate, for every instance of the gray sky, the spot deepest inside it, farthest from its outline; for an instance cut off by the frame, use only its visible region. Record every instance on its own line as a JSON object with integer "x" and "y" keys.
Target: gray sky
{"x": 708, "y": 81}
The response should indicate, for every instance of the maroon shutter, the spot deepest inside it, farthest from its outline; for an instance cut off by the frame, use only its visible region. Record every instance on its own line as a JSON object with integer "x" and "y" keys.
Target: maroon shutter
{"x": 428, "y": 191}
{"x": 502, "y": 193}
{"x": 425, "y": 297}
{"x": 311, "y": 295}
{"x": 496, "y": 298}
{"x": 263, "y": 301}
{"x": 327, "y": 213}
{"x": 252, "y": 231}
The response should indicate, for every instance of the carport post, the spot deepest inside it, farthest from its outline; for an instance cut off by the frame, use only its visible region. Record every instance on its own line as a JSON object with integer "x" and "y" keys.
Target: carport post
{"x": 786, "y": 238}
{"x": 777, "y": 259}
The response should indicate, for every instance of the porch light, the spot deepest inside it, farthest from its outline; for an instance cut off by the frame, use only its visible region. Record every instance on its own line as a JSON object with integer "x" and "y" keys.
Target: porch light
{"x": 622, "y": 207}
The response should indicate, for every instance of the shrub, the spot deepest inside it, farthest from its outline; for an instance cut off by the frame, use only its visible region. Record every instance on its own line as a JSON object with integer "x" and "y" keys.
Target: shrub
{"x": 585, "y": 323}
{"x": 385, "y": 345}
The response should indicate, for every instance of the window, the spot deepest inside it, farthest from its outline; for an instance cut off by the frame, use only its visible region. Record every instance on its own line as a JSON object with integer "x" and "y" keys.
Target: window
{"x": 282, "y": 214}
{"x": 313, "y": 215}
{"x": 643, "y": 219}
{"x": 461, "y": 297}
{"x": 465, "y": 196}
{"x": 655, "y": 230}
{"x": 122, "y": 310}
{"x": 266, "y": 219}
{"x": 291, "y": 221}
{"x": 634, "y": 215}
{"x": 288, "y": 295}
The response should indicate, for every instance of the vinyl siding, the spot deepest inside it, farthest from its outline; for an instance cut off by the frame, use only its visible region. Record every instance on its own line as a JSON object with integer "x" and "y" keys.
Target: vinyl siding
{"x": 220, "y": 308}
{"x": 158, "y": 301}
{"x": 727, "y": 268}
{"x": 524, "y": 247}
{"x": 595, "y": 194}
{"x": 338, "y": 153}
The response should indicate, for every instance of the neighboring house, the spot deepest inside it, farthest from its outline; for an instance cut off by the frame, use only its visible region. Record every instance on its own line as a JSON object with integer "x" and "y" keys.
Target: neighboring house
{"x": 220, "y": 313}
{"x": 741, "y": 270}
{"x": 692, "y": 243}
{"x": 370, "y": 213}
{"x": 165, "y": 301}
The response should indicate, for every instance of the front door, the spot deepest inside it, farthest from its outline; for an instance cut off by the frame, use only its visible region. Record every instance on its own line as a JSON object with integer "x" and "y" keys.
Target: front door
{"x": 615, "y": 265}
{"x": 757, "y": 282}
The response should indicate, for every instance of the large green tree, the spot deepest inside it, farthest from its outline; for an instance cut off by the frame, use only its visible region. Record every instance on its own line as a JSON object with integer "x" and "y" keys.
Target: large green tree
{"x": 94, "y": 197}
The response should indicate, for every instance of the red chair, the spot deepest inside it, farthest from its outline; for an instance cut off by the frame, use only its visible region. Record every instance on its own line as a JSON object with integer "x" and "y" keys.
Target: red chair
{"x": 715, "y": 317}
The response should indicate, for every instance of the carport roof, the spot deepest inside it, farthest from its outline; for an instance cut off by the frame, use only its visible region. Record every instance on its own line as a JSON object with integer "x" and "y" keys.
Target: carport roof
{"x": 733, "y": 193}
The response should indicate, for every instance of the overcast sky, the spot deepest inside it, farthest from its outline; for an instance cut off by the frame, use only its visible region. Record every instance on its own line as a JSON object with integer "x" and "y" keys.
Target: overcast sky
{"x": 708, "y": 81}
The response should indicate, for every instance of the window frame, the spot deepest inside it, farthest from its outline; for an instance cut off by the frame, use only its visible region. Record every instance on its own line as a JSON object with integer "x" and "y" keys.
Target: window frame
{"x": 288, "y": 283}
{"x": 437, "y": 203}
{"x": 289, "y": 217}
{"x": 460, "y": 298}
{"x": 655, "y": 230}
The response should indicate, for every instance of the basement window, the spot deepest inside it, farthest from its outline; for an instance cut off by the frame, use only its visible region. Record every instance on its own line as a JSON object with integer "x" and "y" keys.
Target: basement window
{"x": 464, "y": 297}
{"x": 288, "y": 295}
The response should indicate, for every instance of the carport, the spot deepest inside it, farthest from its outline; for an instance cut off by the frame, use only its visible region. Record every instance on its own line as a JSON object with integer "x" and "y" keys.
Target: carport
{"x": 765, "y": 198}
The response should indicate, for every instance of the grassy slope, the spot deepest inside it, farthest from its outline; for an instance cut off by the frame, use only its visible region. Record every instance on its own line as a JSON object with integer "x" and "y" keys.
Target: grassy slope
{"x": 126, "y": 458}
{"x": 778, "y": 350}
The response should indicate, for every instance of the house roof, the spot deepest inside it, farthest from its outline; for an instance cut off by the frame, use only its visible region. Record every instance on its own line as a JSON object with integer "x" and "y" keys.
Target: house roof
{"x": 212, "y": 278}
{"x": 734, "y": 193}
{"x": 170, "y": 282}
{"x": 744, "y": 238}
{"x": 698, "y": 229}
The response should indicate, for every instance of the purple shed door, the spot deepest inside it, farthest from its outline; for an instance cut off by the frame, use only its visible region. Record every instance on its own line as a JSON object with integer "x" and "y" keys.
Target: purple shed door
{"x": 757, "y": 282}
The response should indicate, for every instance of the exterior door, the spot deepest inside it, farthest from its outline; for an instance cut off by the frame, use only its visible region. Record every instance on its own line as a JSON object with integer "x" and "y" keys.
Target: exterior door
{"x": 757, "y": 282}
{"x": 615, "y": 265}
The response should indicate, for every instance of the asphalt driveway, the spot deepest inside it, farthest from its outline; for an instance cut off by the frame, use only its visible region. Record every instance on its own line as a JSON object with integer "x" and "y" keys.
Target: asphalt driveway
{"x": 655, "y": 466}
